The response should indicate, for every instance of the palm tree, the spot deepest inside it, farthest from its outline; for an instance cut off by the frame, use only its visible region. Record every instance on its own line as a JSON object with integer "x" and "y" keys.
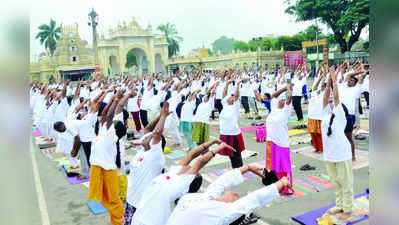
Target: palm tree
{"x": 170, "y": 32}
{"x": 49, "y": 35}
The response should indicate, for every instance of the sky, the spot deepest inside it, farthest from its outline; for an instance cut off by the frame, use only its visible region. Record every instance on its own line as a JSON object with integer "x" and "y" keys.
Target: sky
{"x": 198, "y": 22}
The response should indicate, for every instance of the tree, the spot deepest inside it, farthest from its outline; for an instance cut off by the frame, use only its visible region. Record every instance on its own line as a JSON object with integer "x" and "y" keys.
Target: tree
{"x": 342, "y": 16}
{"x": 266, "y": 44}
{"x": 223, "y": 44}
{"x": 209, "y": 51}
{"x": 173, "y": 39}
{"x": 310, "y": 33}
{"x": 289, "y": 43}
{"x": 49, "y": 34}
{"x": 131, "y": 60}
{"x": 240, "y": 45}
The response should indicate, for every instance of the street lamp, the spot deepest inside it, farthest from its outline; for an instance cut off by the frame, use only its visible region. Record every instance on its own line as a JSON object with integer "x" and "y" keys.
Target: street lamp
{"x": 93, "y": 22}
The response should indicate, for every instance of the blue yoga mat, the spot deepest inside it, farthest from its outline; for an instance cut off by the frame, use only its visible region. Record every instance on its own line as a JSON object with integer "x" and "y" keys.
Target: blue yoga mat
{"x": 295, "y": 117}
{"x": 310, "y": 218}
{"x": 97, "y": 208}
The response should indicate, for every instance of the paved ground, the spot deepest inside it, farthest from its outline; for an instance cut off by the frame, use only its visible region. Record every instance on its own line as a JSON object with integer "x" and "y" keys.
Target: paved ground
{"x": 66, "y": 204}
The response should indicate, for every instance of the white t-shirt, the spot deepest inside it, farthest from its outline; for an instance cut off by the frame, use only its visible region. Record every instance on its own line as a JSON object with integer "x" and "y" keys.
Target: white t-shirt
{"x": 204, "y": 111}
{"x": 154, "y": 206}
{"x": 144, "y": 167}
{"x": 108, "y": 97}
{"x": 147, "y": 95}
{"x": 229, "y": 118}
{"x": 103, "y": 151}
{"x": 315, "y": 105}
{"x": 219, "y": 90}
{"x": 187, "y": 111}
{"x": 132, "y": 105}
{"x": 65, "y": 139}
{"x": 86, "y": 130}
{"x": 277, "y": 124}
{"x": 298, "y": 84}
{"x": 245, "y": 89}
{"x": 336, "y": 147}
{"x": 349, "y": 95}
{"x": 204, "y": 210}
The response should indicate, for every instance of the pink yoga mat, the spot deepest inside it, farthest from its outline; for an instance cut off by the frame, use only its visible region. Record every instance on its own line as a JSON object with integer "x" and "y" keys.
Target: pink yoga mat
{"x": 250, "y": 128}
{"x": 37, "y": 133}
{"x": 75, "y": 180}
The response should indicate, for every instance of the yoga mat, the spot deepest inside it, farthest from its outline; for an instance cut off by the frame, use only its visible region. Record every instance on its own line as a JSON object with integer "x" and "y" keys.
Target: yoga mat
{"x": 176, "y": 154}
{"x": 292, "y": 132}
{"x": 97, "y": 208}
{"x": 362, "y": 157}
{"x": 296, "y": 132}
{"x": 212, "y": 176}
{"x": 305, "y": 186}
{"x": 215, "y": 122}
{"x": 295, "y": 122}
{"x": 218, "y": 159}
{"x": 295, "y": 117}
{"x": 360, "y": 211}
{"x": 251, "y": 128}
{"x": 75, "y": 180}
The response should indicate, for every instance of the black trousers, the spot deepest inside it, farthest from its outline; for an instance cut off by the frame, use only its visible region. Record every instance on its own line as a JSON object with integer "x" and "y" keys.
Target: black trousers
{"x": 218, "y": 105}
{"x": 144, "y": 117}
{"x": 367, "y": 97}
{"x": 296, "y": 102}
{"x": 244, "y": 102}
{"x": 87, "y": 150}
{"x": 236, "y": 159}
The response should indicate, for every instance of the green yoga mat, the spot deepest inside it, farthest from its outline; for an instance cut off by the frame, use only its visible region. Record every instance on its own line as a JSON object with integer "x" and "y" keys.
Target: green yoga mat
{"x": 305, "y": 120}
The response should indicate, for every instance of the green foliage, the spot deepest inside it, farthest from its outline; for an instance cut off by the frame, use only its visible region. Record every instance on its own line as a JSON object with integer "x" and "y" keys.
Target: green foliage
{"x": 266, "y": 44}
{"x": 289, "y": 43}
{"x": 172, "y": 38}
{"x": 342, "y": 16}
{"x": 131, "y": 60}
{"x": 48, "y": 35}
{"x": 209, "y": 51}
{"x": 224, "y": 44}
{"x": 241, "y": 45}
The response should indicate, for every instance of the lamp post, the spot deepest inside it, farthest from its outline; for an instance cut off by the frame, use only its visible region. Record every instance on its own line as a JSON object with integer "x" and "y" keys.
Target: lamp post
{"x": 93, "y": 22}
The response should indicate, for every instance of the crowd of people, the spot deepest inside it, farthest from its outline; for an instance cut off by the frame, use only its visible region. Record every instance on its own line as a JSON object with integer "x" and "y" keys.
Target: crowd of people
{"x": 90, "y": 118}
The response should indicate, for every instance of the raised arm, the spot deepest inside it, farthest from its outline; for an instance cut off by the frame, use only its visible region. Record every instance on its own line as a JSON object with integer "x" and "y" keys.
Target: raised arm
{"x": 335, "y": 86}
{"x": 106, "y": 109}
{"x": 289, "y": 94}
{"x": 236, "y": 95}
{"x": 201, "y": 162}
{"x": 111, "y": 113}
{"x": 194, "y": 153}
{"x": 226, "y": 86}
{"x": 157, "y": 133}
{"x": 327, "y": 92}
{"x": 279, "y": 92}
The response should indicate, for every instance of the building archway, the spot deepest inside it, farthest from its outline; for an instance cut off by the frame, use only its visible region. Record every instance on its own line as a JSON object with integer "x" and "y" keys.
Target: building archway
{"x": 143, "y": 60}
{"x": 114, "y": 65}
{"x": 159, "y": 64}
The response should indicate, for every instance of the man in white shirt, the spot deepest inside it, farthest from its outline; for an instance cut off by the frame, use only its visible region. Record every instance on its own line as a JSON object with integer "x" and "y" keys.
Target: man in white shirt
{"x": 217, "y": 206}
{"x": 146, "y": 164}
{"x": 166, "y": 188}
{"x": 350, "y": 91}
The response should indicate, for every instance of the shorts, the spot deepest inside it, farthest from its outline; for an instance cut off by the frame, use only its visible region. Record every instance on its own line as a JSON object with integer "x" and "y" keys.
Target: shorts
{"x": 350, "y": 123}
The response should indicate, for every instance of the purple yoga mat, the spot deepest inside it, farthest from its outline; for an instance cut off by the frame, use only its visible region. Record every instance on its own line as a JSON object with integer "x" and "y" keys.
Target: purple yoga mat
{"x": 75, "y": 180}
{"x": 310, "y": 218}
